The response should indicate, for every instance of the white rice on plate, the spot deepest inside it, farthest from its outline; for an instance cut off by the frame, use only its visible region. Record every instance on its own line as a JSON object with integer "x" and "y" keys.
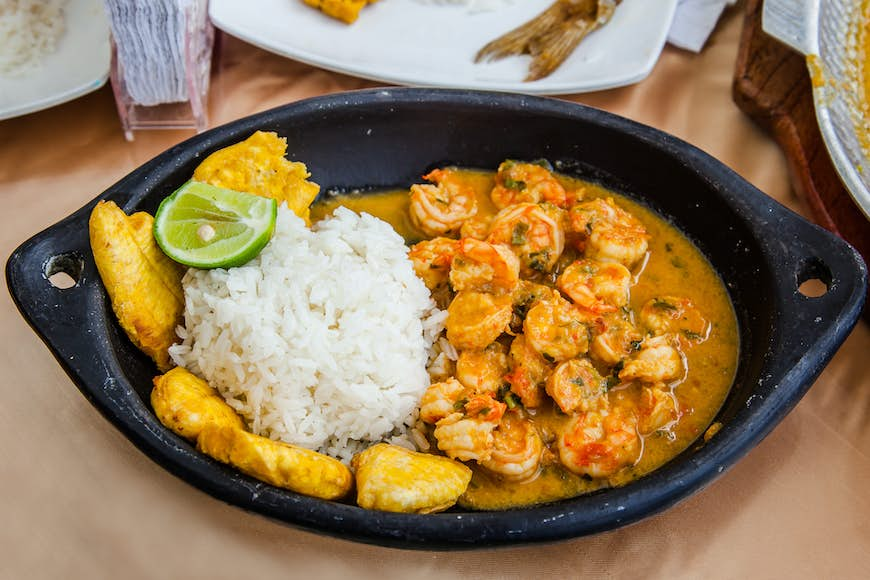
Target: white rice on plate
{"x": 29, "y": 31}
{"x": 322, "y": 340}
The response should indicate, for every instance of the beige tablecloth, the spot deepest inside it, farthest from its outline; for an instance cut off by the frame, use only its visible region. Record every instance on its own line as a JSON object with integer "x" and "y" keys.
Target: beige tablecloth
{"x": 77, "y": 500}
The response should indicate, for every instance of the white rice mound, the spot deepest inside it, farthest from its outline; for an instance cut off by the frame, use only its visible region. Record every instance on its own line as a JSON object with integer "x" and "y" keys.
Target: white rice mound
{"x": 322, "y": 340}
{"x": 29, "y": 31}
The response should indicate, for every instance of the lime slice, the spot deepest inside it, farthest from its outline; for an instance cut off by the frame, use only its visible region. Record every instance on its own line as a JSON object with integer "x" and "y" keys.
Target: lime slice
{"x": 204, "y": 226}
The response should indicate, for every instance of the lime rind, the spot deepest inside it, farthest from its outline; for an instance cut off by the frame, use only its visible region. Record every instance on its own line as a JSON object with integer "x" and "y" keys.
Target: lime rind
{"x": 241, "y": 224}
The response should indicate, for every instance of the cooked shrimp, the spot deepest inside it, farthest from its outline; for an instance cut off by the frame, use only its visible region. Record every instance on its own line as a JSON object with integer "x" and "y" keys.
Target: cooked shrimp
{"x": 483, "y": 371}
{"x": 534, "y": 232}
{"x": 657, "y": 360}
{"x": 484, "y": 408}
{"x": 608, "y": 232}
{"x": 626, "y": 246}
{"x": 518, "y": 182}
{"x": 596, "y": 286}
{"x": 485, "y": 267}
{"x": 465, "y": 439}
{"x": 528, "y": 371}
{"x": 432, "y": 260}
{"x": 441, "y": 208}
{"x": 475, "y": 320}
{"x": 468, "y": 435}
{"x": 524, "y": 296}
{"x": 599, "y": 443}
{"x": 476, "y": 227}
{"x": 516, "y": 450}
{"x": 585, "y": 216}
{"x": 615, "y": 341}
{"x": 440, "y": 400}
{"x": 575, "y": 385}
{"x": 556, "y": 329}
{"x": 670, "y": 314}
{"x": 658, "y": 409}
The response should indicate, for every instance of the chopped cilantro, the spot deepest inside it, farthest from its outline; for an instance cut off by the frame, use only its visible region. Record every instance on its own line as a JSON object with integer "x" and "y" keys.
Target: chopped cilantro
{"x": 538, "y": 260}
{"x": 522, "y": 307}
{"x": 518, "y": 236}
{"x": 516, "y": 184}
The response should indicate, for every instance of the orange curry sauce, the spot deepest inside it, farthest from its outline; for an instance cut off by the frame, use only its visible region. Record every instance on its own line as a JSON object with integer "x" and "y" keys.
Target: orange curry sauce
{"x": 675, "y": 267}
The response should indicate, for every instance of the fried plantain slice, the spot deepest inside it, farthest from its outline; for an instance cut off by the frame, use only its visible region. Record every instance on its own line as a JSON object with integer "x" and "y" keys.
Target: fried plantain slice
{"x": 257, "y": 165}
{"x": 280, "y": 464}
{"x": 144, "y": 286}
{"x": 345, "y": 10}
{"x": 395, "y": 479}
{"x": 187, "y": 404}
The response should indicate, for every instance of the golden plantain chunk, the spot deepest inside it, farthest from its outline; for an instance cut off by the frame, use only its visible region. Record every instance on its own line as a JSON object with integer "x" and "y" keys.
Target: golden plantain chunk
{"x": 345, "y": 10}
{"x": 143, "y": 284}
{"x": 257, "y": 165}
{"x": 187, "y": 404}
{"x": 280, "y": 464}
{"x": 395, "y": 479}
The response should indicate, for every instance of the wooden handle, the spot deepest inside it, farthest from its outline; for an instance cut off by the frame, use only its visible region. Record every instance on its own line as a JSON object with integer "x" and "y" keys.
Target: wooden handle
{"x": 772, "y": 86}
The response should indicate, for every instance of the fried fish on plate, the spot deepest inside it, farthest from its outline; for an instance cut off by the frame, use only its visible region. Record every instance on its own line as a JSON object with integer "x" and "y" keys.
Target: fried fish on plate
{"x": 143, "y": 284}
{"x": 257, "y": 165}
{"x": 552, "y": 35}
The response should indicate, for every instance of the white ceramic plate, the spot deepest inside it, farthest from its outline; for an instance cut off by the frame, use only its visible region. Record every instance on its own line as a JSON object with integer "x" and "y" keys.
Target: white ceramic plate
{"x": 413, "y": 43}
{"x": 78, "y": 66}
{"x": 830, "y": 33}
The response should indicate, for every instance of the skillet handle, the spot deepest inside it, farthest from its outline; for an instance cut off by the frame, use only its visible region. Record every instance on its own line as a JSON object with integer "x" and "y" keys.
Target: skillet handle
{"x": 794, "y": 22}
{"x": 827, "y": 316}
{"x": 60, "y": 313}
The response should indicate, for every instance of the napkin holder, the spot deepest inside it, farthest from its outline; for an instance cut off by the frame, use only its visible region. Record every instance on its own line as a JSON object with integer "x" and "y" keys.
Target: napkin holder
{"x": 160, "y": 63}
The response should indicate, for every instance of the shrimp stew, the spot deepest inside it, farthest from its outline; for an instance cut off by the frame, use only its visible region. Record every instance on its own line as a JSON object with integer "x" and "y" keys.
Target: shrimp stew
{"x": 587, "y": 341}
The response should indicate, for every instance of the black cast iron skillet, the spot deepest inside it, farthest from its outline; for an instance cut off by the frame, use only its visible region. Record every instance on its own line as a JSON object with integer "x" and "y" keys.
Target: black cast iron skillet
{"x": 387, "y": 138}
